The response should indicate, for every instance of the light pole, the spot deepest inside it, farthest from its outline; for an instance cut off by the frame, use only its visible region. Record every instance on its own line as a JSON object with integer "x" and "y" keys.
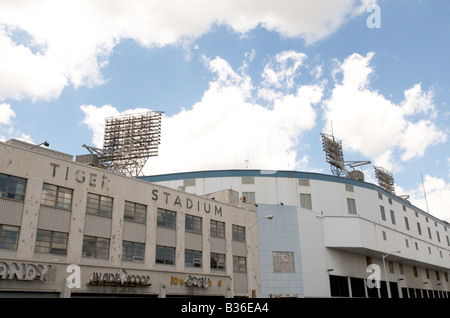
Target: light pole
{"x": 385, "y": 273}
{"x": 269, "y": 217}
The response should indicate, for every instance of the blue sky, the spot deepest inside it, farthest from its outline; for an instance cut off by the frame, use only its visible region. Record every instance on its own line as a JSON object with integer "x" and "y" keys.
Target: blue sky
{"x": 241, "y": 83}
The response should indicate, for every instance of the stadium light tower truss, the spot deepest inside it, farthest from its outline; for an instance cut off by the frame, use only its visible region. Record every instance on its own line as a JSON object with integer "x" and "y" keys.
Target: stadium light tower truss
{"x": 335, "y": 157}
{"x": 129, "y": 141}
{"x": 385, "y": 179}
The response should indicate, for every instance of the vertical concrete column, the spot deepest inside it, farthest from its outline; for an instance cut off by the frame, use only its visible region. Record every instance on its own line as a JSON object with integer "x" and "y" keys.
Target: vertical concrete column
{"x": 30, "y": 217}
{"x": 206, "y": 245}
{"x": 150, "y": 236}
{"x": 115, "y": 248}
{"x": 228, "y": 249}
{"x": 180, "y": 245}
{"x": 77, "y": 223}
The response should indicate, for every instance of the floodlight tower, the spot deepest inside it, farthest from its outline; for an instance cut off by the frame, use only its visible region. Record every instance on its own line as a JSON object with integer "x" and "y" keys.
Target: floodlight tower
{"x": 335, "y": 157}
{"x": 385, "y": 179}
{"x": 333, "y": 154}
{"x": 128, "y": 142}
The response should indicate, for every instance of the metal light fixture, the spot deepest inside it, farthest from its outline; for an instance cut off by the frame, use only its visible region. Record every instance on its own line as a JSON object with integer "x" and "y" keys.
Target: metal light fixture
{"x": 45, "y": 143}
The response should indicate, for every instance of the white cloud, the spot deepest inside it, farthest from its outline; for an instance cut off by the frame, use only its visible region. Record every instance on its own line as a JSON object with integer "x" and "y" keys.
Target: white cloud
{"x": 6, "y": 113}
{"x": 376, "y": 127}
{"x": 7, "y": 127}
{"x": 435, "y": 200}
{"x": 75, "y": 38}
{"x": 417, "y": 101}
{"x": 283, "y": 73}
{"x": 227, "y": 127}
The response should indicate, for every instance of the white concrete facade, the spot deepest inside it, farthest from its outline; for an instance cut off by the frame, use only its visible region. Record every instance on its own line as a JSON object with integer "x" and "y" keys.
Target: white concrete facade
{"x": 329, "y": 229}
{"x": 120, "y": 235}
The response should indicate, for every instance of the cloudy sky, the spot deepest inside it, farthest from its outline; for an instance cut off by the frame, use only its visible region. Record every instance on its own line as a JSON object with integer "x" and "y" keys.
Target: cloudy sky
{"x": 242, "y": 83}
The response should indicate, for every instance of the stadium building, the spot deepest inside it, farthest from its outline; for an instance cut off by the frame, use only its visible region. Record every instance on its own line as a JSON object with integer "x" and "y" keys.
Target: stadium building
{"x": 68, "y": 229}
{"x": 334, "y": 236}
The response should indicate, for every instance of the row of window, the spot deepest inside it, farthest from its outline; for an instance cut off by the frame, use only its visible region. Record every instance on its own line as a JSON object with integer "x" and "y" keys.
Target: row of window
{"x": 406, "y": 220}
{"x": 416, "y": 244}
{"x": 61, "y": 198}
{"x": 97, "y": 247}
{"x": 305, "y": 202}
{"x": 415, "y": 270}
{"x": 167, "y": 218}
{"x": 342, "y": 286}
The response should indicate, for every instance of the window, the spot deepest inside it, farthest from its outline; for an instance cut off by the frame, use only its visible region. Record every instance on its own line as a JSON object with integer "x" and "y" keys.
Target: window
{"x": 189, "y": 182}
{"x": 193, "y": 258}
{"x": 135, "y": 212}
{"x": 400, "y": 269}
{"x": 358, "y": 287}
{"x": 249, "y": 197}
{"x": 415, "y": 271}
{"x": 390, "y": 200}
{"x": 99, "y": 205}
{"x": 391, "y": 267}
{"x": 305, "y": 201}
{"x": 193, "y": 224}
{"x": 406, "y": 243}
{"x": 238, "y": 233}
{"x": 217, "y": 261}
{"x": 351, "y": 205}
{"x": 133, "y": 251}
{"x": 9, "y": 237}
{"x": 429, "y": 233}
{"x": 438, "y": 236}
{"x": 96, "y": 247}
{"x": 239, "y": 264}
{"x": 380, "y": 196}
{"x": 12, "y": 187}
{"x": 418, "y": 228}
{"x": 349, "y": 188}
{"x": 217, "y": 229}
{"x": 51, "y": 242}
{"x": 384, "y": 236}
{"x": 406, "y": 223}
{"x": 383, "y": 214}
{"x": 248, "y": 180}
{"x": 392, "y": 217}
{"x": 303, "y": 182}
{"x": 166, "y": 218}
{"x": 57, "y": 197}
{"x": 339, "y": 286}
{"x": 165, "y": 255}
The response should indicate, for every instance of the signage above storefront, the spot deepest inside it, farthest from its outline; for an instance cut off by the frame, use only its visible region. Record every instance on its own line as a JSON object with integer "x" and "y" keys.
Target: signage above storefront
{"x": 22, "y": 271}
{"x": 121, "y": 278}
{"x": 193, "y": 281}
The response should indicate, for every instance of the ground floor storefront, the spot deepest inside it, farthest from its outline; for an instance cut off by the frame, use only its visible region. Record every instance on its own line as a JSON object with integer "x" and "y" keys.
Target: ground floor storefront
{"x": 26, "y": 279}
